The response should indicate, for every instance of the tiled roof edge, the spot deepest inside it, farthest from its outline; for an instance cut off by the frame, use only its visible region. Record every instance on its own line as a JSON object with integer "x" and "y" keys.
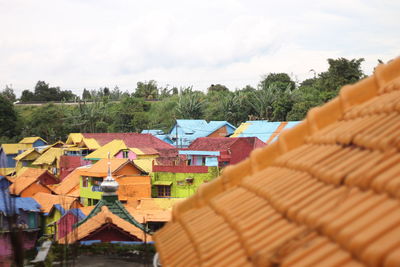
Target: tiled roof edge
{"x": 317, "y": 118}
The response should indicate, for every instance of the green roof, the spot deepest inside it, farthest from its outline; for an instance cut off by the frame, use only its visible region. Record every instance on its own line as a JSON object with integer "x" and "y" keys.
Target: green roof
{"x": 116, "y": 207}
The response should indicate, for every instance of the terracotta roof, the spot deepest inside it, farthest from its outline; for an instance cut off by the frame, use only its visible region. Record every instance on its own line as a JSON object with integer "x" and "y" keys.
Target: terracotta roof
{"x": 144, "y": 216}
{"x": 222, "y": 143}
{"x": 326, "y": 193}
{"x": 103, "y": 217}
{"x": 31, "y": 140}
{"x": 69, "y": 184}
{"x": 47, "y": 201}
{"x": 25, "y": 179}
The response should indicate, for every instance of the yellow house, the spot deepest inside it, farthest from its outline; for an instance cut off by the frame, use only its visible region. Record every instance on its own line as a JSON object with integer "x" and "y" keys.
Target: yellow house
{"x": 50, "y": 160}
{"x": 26, "y": 158}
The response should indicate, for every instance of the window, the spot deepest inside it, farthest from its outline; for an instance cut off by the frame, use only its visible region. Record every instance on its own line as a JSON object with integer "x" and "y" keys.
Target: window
{"x": 163, "y": 190}
{"x": 125, "y": 154}
{"x": 85, "y": 181}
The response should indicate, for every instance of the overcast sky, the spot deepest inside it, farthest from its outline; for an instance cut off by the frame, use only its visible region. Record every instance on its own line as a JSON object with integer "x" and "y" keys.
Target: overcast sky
{"x": 78, "y": 44}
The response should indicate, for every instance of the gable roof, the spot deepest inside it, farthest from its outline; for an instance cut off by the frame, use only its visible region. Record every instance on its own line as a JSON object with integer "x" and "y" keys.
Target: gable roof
{"x": 69, "y": 184}
{"x": 31, "y": 140}
{"x": 47, "y": 201}
{"x": 30, "y": 152}
{"x": 131, "y": 139}
{"x": 103, "y": 217}
{"x": 90, "y": 143}
{"x": 189, "y": 130}
{"x": 266, "y": 131}
{"x": 49, "y": 156}
{"x": 112, "y": 147}
{"x": 100, "y": 168}
{"x": 326, "y": 193}
{"x": 15, "y": 148}
{"x": 26, "y": 178}
{"x": 222, "y": 143}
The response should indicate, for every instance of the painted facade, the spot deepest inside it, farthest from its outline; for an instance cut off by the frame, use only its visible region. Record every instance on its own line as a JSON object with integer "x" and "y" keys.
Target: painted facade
{"x": 180, "y": 181}
{"x": 91, "y": 178}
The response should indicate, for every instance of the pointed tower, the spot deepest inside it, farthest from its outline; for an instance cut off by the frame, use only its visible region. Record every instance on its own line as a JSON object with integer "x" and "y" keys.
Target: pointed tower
{"x": 110, "y": 199}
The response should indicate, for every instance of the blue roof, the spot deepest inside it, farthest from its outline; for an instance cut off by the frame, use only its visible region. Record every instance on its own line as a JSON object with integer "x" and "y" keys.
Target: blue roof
{"x": 189, "y": 130}
{"x": 159, "y": 134}
{"x": 263, "y": 129}
{"x": 77, "y": 212}
{"x": 10, "y": 204}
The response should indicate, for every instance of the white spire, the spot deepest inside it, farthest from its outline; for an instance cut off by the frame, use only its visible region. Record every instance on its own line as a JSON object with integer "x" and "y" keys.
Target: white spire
{"x": 109, "y": 186}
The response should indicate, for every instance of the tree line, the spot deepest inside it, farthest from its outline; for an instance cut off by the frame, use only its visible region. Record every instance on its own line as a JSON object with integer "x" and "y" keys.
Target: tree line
{"x": 277, "y": 97}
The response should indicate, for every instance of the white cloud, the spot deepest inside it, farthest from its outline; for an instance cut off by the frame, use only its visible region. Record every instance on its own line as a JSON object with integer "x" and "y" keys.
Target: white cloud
{"x": 82, "y": 43}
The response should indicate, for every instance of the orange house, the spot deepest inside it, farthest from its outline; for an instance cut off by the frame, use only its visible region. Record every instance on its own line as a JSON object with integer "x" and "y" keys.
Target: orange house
{"x": 32, "y": 181}
{"x": 134, "y": 182}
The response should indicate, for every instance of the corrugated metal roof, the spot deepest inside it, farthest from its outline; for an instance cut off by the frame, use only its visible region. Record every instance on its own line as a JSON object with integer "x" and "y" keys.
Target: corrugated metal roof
{"x": 144, "y": 164}
{"x": 74, "y": 138}
{"x": 25, "y": 179}
{"x": 264, "y": 130}
{"x": 112, "y": 147}
{"x": 49, "y": 156}
{"x": 31, "y": 140}
{"x": 47, "y": 201}
{"x": 10, "y": 204}
{"x": 26, "y": 153}
{"x": 15, "y": 148}
{"x": 90, "y": 143}
{"x": 189, "y": 130}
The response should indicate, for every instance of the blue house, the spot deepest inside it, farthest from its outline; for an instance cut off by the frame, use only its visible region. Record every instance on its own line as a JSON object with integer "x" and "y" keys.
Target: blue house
{"x": 185, "y": 132}
{"x": 20, "y": 212}
{"x": 160, "y": 135}
{"x": 266, "y": 131}
{"x": 8, "y": 152}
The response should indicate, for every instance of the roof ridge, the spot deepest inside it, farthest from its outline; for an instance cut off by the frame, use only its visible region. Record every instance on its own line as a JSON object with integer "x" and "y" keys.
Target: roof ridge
{"x": 317, "y": 118}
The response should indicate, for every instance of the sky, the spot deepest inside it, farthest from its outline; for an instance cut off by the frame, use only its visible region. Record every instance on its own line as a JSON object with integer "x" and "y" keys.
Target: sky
{"x": 78, "y": 44}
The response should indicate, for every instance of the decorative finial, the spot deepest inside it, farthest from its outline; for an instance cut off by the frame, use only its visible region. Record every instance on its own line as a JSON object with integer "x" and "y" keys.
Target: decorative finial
{"x": 109, "y": 186}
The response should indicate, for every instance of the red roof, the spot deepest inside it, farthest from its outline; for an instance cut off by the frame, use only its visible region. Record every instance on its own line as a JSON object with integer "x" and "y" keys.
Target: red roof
{"x": 135, "y": 140}
{"x": 222, "y": 143}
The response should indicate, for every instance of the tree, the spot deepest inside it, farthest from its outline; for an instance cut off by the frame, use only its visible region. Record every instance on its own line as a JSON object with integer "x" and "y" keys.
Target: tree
{"x": 86, "y": 94}
{"x": 8, "y": 117}
{"x": 190, "y": 106}
{"x": 147, "y": 90}
{"x": 130, "y": 115}
{"x": 280, "y": 81}
{"x": 27, "y": 96}
{"x": 341, "y": 71}
{"x": 8, "y": 93}
{"x": 217, "y": 88}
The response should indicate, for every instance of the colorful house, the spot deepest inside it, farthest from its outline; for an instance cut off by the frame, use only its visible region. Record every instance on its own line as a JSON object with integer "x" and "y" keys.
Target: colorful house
{"x": 109, "y": 220}
{"x": 8, "y": 152}
{"x": 182, "y": 180}
{"x": 135, "y": 140}
{"x": 266, "y": 131}
{"x": 53, "y": 207}
{"x": 134, "y": 181}
{"x": 50, "y": 160}
{"x": 326, "y": 193}
{"x": 21, "y": 213}
{"x": 69, "y": 186}
{"x": 26, "y": 158}
{"x": 66, "y": 223}
{"x": 31, "y": 181}
{"x": 160, "y": 135}
{"x": 184, "y": 132}
{"x": 33, "y": 141}
{"x": 69, "y": 163}
{"x": 231, "y": 150}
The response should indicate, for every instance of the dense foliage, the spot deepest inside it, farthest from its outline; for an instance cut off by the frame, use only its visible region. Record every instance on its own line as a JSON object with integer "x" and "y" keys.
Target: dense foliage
{"x": 276, "y": 98}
